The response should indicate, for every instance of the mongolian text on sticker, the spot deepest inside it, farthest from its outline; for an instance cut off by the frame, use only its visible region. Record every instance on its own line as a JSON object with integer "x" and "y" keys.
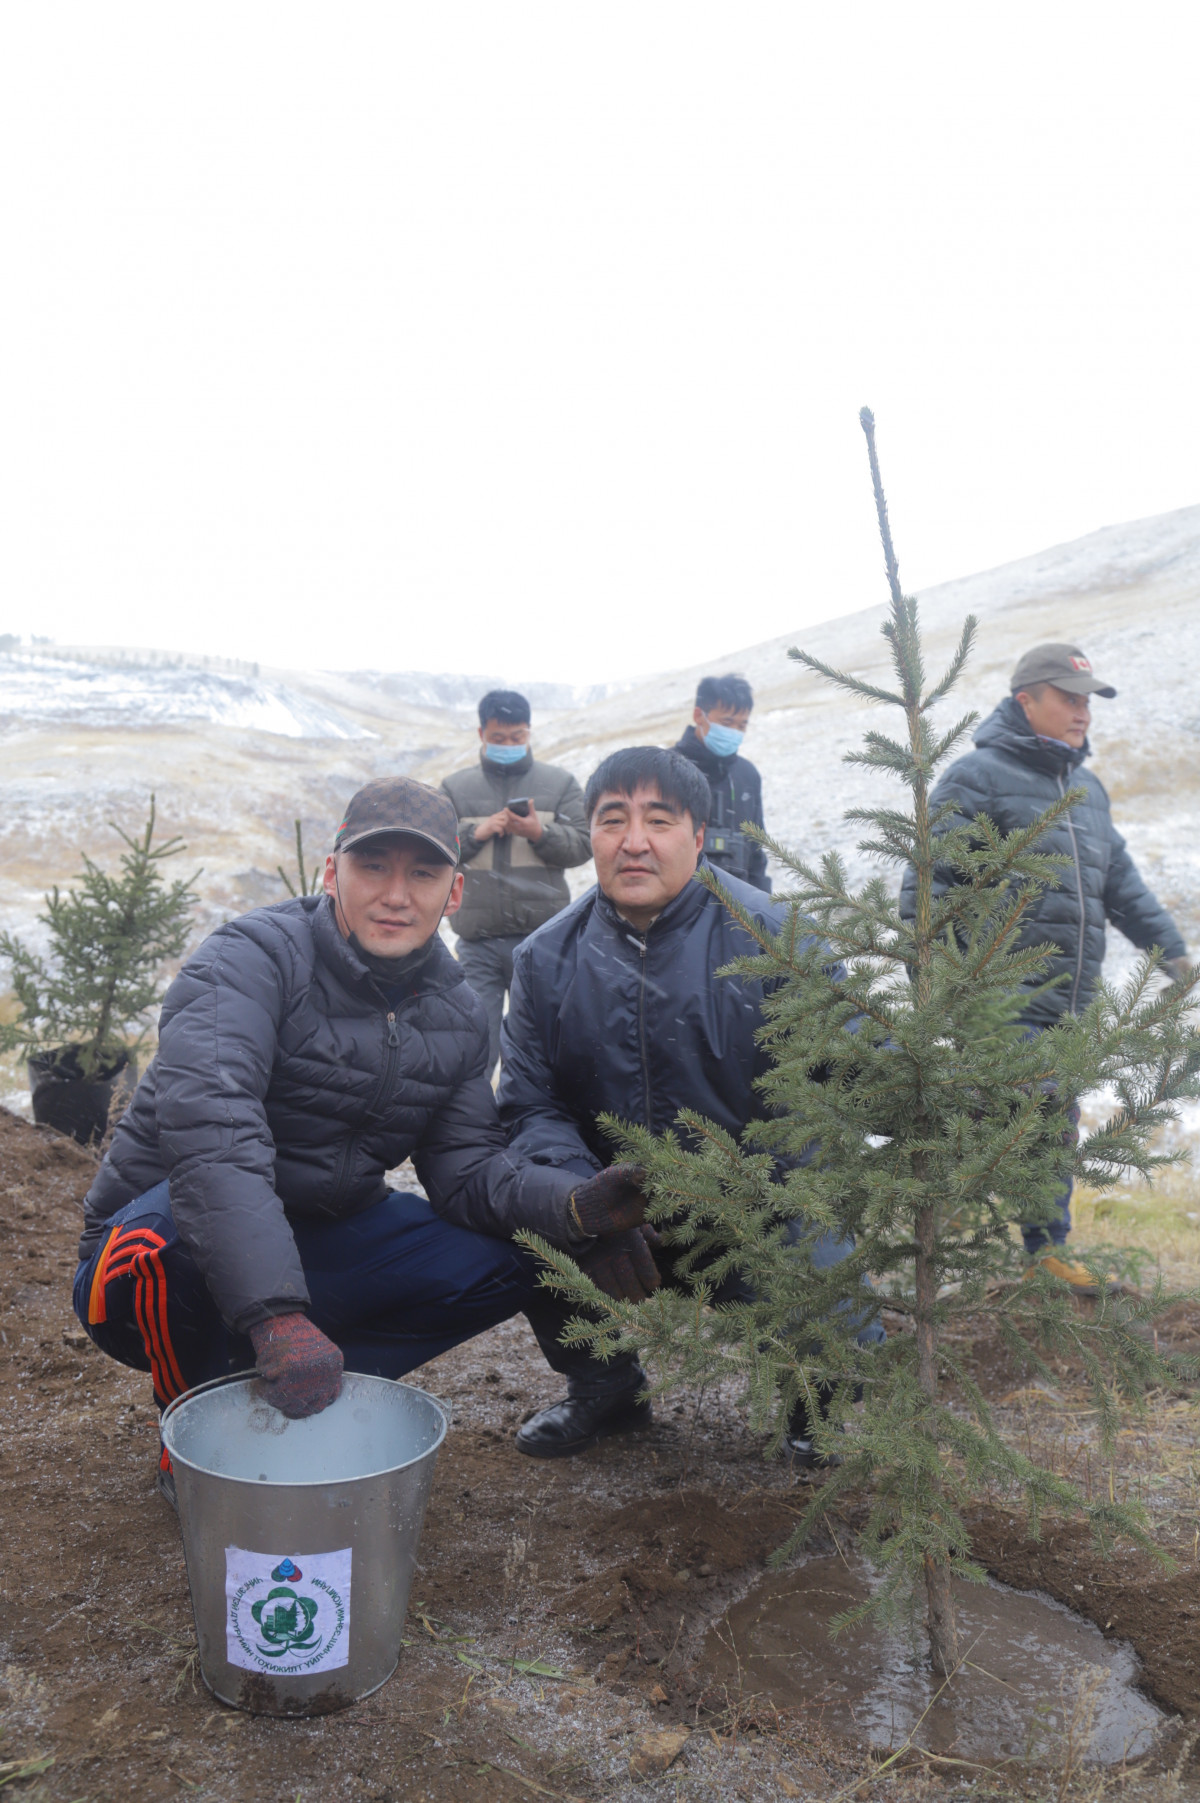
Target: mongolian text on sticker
{"x": 288, "y": 1613}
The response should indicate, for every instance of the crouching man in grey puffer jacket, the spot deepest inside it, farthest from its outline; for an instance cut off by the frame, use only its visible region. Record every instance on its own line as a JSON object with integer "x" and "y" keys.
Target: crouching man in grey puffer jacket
{"x": 241, "y": 1215}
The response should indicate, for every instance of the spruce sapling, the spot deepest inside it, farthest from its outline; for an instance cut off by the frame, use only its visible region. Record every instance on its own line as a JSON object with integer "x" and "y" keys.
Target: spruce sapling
{"x": 909, "y": 1114}
{"x": 109, "y": 939}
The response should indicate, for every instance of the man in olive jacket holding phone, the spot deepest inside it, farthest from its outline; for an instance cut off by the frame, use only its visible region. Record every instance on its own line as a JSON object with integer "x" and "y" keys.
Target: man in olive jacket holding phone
{"x": 521, "y": 824}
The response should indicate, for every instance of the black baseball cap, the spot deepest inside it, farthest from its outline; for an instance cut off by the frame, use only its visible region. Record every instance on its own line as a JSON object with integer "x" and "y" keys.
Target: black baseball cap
{"x": 400, "y": 804}
{"x": 1063, "y": 665}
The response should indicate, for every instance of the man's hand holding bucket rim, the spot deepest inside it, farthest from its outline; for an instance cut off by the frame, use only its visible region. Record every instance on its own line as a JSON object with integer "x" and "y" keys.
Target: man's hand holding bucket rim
{"x": 299, "y": 1367}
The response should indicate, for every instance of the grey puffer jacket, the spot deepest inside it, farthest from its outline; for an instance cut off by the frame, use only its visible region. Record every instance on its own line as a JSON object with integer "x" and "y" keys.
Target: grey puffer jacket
{"x": 1012, "y": 777}
{"x": 512, "y": 884}
{"x": 287, "y": 1082}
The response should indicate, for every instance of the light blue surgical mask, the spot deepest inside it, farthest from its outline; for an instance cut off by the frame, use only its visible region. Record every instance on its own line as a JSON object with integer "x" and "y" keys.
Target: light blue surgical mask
{"x": 723, "y": 741}
{"x": 505, "y": 754}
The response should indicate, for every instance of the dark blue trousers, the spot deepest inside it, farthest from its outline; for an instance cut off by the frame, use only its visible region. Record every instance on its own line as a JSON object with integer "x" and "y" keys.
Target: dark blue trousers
{"x": 1037, "y": 1234}
{"x": 392, "y": 1286}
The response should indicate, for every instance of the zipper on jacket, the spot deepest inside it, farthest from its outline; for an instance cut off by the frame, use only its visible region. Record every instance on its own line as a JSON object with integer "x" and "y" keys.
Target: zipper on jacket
{"x": 385, "y": 1083}
{"x": 389, "y": 1065}
{"x": 642, "y": 1040}
{"x": 1082, "y": 904}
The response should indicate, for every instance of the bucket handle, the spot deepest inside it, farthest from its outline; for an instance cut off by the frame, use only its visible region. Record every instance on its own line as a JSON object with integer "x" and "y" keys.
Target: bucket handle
{"x": 443, "y": 1402}
{"x": 212, "y": 1383}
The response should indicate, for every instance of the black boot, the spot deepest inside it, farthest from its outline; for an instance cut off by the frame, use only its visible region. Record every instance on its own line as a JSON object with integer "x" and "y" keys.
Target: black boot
{"x": 798, "y": 1441}
{"x": 583, "y": 1418}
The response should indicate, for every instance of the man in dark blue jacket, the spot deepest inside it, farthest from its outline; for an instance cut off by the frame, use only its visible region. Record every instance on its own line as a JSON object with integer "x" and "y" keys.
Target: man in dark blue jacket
{"x": 1029, "y": 751}
{"x": 242, "y": 1215}
{"x": 713, "y": 743}
{"x": 616, "y": 1008}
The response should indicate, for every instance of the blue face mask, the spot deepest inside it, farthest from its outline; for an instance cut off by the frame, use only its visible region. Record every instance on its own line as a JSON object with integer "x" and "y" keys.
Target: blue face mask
{"x": 505, "y": 754}
{"x": 723, "y": 741}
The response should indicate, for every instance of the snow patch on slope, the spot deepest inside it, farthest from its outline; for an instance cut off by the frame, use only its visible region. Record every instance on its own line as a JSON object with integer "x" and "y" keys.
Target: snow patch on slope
{"x": 36, "y": 691}
{"x": 1166, "y": 546}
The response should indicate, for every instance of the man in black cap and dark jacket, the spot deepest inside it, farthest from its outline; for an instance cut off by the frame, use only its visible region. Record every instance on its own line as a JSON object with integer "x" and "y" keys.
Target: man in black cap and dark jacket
{"x": 241, "y": 1215}
{"x": 713, "y": 743}
{"x": 1029, "y": 752}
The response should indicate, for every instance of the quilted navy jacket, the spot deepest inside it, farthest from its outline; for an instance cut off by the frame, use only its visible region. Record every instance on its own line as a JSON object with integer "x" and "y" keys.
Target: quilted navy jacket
{"x": 604, "y": 1018}
{"x": 1012, "y": 777}
{"x": 286, "y": 1083}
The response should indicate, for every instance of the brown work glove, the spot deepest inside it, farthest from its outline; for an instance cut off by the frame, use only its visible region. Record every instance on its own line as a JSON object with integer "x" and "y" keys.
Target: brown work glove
{"x": 1178, "y": 969}
{"x": 610, "y": 1202}
{"x": 621, "y": 1264}
{"x": 299, "y": 1369}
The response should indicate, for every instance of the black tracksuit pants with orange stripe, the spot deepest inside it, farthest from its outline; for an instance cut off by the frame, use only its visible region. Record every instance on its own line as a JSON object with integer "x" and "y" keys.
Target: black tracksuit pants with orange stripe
{"x": 393, "y": 1286}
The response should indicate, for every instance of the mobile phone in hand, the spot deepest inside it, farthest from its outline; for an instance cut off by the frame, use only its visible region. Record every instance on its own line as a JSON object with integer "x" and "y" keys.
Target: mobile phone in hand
{"x": 519, "y": 806}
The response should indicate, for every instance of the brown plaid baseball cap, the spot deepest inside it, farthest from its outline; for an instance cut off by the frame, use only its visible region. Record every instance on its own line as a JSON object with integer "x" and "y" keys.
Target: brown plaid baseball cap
{"x": 400, "y": 804}
{"x": 1063, "y": 665}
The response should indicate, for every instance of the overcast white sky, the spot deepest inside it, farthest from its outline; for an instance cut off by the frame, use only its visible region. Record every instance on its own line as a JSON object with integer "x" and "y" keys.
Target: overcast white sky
{"x": 529, "y": 338}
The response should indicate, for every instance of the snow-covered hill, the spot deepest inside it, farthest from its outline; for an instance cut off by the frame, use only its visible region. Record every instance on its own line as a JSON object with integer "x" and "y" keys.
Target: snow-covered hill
{"x": 56, "y": 693}
{"x": 235, "y": 753}
{"x": 460, "y": 694}
{"x": 127, "y": 690}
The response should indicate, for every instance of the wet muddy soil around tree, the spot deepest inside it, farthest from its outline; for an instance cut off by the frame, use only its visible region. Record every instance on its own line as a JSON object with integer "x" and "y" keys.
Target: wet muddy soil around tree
{"x": 562, "y": 1630}
{"x": 1033, "y": 1674}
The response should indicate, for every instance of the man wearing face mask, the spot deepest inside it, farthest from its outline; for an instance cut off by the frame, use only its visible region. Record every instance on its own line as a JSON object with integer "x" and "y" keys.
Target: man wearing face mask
{"x": 713, "y": 743}
{"x": 521, "y": 823}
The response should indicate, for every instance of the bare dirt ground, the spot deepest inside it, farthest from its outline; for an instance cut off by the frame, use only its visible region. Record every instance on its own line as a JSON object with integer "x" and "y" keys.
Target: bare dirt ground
{"x": 608, "y": 1572}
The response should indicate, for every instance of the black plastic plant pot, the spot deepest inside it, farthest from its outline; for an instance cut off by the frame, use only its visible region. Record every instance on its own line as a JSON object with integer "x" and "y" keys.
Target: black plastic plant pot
{"x": 63, "y": 1098}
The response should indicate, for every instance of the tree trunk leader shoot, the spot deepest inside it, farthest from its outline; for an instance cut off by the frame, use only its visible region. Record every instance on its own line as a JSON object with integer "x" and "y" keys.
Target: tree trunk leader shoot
{"x": 241, "y": 1214}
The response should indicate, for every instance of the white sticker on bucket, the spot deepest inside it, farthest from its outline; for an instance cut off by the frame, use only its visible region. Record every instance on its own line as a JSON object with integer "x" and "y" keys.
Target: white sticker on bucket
{"x": 287, "y": 1612}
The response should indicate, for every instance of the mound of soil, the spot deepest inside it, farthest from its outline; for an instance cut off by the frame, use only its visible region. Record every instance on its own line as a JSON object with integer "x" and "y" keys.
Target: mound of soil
{"x": 669, "y": 1548}
{"x": 1128, "y": 1596}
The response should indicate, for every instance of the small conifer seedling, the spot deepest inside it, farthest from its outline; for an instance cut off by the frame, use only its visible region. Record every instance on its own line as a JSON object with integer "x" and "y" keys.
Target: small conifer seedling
{"x": 110, "y": 937}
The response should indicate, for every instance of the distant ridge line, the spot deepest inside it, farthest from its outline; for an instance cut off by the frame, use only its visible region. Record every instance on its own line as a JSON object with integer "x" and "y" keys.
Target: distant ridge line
{"x": 454, "y": 691}
{"x": 128, "y": 657}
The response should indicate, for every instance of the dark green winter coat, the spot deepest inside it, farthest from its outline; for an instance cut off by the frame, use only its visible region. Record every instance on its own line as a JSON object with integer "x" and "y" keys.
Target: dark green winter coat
{"x": 1013, "y": 776}
{"x": 512, "y": 885}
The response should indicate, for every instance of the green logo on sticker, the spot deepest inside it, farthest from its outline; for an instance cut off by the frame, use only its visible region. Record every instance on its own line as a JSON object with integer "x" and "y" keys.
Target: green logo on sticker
{"x": 285, "y": 1621}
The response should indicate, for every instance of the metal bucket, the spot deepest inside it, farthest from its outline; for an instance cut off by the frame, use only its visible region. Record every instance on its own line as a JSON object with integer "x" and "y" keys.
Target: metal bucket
{"x": 301, "y": 1536}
